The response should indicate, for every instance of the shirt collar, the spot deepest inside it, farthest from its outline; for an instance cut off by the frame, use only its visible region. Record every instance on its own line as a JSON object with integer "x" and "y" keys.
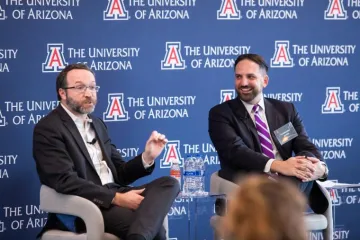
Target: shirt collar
{"x": 249, "y": 106}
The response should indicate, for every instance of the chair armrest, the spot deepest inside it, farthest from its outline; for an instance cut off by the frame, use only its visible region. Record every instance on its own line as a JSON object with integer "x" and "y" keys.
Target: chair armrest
{"x": 54, "y": 202}
{"x": 166, "y": 226}
{"x": 328, "y": 233}
{"x": 220, "y": 185}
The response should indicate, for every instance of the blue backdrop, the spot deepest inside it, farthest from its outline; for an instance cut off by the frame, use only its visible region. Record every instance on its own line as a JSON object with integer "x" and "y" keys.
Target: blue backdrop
{"x": 161, "y": 65}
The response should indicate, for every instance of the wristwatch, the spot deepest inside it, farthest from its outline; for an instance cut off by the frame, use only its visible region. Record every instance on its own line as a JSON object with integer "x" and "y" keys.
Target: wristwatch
{"x": 326, "y": 173}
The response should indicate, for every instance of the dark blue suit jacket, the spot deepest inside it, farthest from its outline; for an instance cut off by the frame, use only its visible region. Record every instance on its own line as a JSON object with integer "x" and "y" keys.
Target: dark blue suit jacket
{"x": 235, "y": 138}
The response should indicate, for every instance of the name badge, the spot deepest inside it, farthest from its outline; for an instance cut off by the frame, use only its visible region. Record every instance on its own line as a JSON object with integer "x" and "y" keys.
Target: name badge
{"x": 285, "y": 133}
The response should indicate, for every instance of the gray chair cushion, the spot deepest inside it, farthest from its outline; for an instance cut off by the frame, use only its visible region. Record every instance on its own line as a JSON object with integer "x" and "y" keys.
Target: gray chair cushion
{"x": 61, "y": 235}
{"x": 315, "y": 222}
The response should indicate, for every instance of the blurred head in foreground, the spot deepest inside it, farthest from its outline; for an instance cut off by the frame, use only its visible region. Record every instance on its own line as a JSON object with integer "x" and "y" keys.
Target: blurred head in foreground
{"x": 264, "y": 209}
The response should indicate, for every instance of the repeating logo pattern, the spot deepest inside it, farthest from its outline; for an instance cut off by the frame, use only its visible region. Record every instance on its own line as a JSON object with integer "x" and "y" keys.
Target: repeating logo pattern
{"x": 336, "y": 10}
{"x": 116, "y": 11}
{"x": 173, "y": 59}
{"x": 115, "y": 110}
{"x": 55, "y": 61}
{"x": 171, "y": 153}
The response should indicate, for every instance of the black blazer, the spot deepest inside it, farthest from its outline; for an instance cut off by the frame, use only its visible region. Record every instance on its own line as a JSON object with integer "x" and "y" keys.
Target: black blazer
{"x": 63, "y": 162}
{"x": 235, "y": 138}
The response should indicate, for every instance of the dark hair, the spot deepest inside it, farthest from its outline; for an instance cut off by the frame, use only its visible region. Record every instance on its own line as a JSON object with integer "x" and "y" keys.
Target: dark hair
{"x": 61, "y": 81}
{"x": 259, "y": 60}
{"x": 266, "y": 209}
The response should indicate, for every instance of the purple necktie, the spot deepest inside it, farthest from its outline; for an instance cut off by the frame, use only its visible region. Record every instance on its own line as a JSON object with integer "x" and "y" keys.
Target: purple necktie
{"x": 263, "y": 133}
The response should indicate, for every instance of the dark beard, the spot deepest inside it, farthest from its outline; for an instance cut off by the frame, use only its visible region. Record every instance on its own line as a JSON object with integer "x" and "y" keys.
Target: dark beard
{"x": 248, "y": 97}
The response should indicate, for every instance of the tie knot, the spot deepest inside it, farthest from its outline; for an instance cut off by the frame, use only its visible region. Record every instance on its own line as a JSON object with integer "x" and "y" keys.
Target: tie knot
{"x": 256, "y": 108}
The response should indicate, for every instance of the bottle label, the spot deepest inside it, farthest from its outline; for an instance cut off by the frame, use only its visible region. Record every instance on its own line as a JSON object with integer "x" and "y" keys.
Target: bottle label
{"x": 192, "y": 173}
{"x": 175, "y": 173}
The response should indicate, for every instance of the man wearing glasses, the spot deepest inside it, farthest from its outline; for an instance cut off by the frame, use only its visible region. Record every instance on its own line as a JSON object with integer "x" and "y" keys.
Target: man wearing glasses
{"x": 74, "y": 155}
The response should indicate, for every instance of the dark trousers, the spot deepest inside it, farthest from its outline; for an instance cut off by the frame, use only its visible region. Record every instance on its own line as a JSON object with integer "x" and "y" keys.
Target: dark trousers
{"x": 147, "y": 220}
{"x": 304, "y": 187}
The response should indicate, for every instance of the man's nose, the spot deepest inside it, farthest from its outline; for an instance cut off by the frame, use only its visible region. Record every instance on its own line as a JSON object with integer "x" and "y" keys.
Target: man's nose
{"x": 244, "y": 81}
{"x": 88, "y": 92}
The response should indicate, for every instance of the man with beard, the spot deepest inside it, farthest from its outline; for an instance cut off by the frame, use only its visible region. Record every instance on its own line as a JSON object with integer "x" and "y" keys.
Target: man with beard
{"x": 252, "y": 133}
{"x": 74, "y": 155}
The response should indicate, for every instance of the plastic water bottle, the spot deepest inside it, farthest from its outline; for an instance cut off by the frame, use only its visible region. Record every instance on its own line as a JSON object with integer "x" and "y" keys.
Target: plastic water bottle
{"x": 191, "y": 177}
{"x": 175, "y": 171}
{"x": 200, "y": 166}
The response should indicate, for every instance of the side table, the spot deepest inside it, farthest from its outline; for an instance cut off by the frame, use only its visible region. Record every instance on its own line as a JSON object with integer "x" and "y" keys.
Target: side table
{"x": 200, "y": 209}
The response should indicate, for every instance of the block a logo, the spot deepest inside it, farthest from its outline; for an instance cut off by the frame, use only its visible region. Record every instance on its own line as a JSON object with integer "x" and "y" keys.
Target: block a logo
{"x": 115, "y": 110}
{"x": 282, "y": 56}
{"x": 2, "y": 14}
{"x": 116, "y": 11}
{"x": 172, "y": 152}
{"x": 2, "y": 120}
{"x": 336, "y": 10}
{"x": 332, "y": 103}
{"x": 334, "y": 195}
{"x": 2, "y": 226}
{"x": 173, "y": 59}
{"x": 226, "y": 95}
{"x": 55, "y": 61}
{"x": 228, "y": 11}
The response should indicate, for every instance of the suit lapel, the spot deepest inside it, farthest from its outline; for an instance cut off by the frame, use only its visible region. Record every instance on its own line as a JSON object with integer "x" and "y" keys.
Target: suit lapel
{"x": 272, "y": 117}
{"x": 243, "y": 115}
{"x": 69, "y": 124}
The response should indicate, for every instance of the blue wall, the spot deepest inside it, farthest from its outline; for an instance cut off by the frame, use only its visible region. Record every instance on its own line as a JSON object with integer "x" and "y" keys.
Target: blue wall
{"x": 178, "y": 52}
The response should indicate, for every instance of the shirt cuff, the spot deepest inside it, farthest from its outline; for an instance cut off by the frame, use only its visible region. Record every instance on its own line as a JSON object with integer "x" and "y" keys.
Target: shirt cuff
{"x": 268, "y": 165}
{"x": 146, "y": 165}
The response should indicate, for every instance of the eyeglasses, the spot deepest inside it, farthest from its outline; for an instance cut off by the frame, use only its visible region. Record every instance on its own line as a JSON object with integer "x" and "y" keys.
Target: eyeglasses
{"x": 82, "y": 88}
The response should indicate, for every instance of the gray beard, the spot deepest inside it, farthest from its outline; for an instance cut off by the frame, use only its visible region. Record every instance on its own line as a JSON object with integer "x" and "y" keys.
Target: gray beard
{"x": 78, "y": 108}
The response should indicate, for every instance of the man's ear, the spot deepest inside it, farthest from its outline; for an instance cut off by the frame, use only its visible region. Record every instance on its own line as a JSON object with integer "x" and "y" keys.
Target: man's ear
{"x": 266, "y": 81}
{"x": 62, "y": 93}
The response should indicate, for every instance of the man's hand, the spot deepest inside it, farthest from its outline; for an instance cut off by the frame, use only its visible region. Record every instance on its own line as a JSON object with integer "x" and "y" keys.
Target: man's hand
{"x": 319, "y": 168}
{"x": 154, "y": 146}
{"x": 130, "y": 199}
{"x": 299, "y": 166}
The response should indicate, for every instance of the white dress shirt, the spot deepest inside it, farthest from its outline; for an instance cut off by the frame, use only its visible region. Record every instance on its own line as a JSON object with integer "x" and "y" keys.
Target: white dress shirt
{"x": 88, "y": 135}
{"x": 249, "y": 108}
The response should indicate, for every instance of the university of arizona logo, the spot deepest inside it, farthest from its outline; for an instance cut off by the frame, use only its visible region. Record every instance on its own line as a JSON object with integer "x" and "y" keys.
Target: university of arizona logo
{"x": 115, "y": 110}
{"x": 172, "y": 152}
{"x": 2, "y": 14}
{"x": 55, "y": 61}
{"x": 226, "y": 95}
{"x": 336, "y": 10}
{"x": 334, "y": 195}
{"x": 2, "y": 120}
{"x": 228, "y": 10}
{"x": 116, "y": 10}
{"x": 282, "y": 56}
{"x": 173, "y": 59}
{"x": 332, "y": 103}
